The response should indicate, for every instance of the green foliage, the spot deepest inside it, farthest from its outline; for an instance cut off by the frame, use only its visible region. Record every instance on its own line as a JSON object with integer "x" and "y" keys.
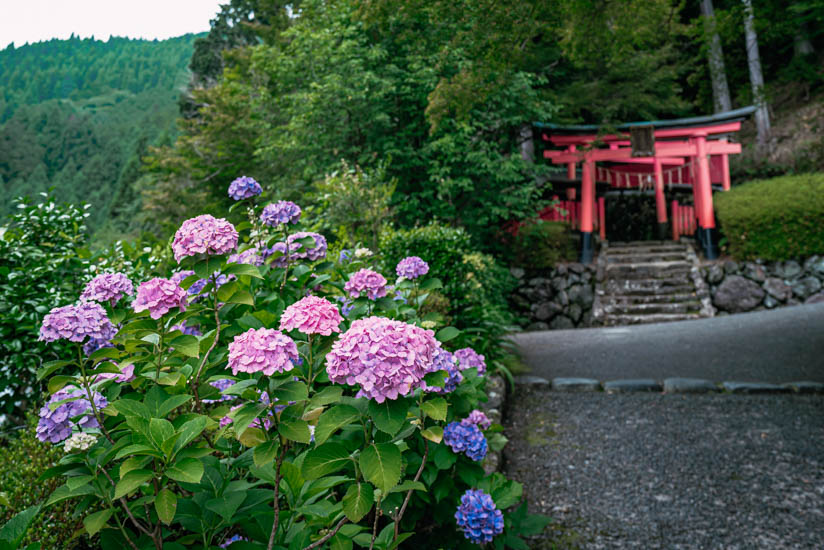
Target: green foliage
{"x": 541, "y": 244}
{"x": 774, "y": 219}
{"x": 24, "y": 458}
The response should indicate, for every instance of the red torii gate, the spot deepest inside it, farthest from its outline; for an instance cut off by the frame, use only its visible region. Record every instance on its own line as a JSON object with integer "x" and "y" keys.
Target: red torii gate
{"x": 676, "y": 142}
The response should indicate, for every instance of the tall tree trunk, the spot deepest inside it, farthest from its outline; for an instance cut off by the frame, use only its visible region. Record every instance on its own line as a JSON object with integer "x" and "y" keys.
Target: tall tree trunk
{"x": 718, "y": 74}
{"x": 762, "y": 115}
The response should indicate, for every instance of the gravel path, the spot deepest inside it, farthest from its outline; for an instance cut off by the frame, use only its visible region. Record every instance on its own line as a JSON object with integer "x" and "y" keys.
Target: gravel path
{"x": 670, "y": 471}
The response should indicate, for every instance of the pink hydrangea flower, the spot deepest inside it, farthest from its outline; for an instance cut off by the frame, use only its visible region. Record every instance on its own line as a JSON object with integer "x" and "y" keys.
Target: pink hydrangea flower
{"x": 412, "y": 267}
{"x": 263, "y": 350}
{"x": 312, "y": 315}
{"x": 387, "y": 358}
{"x": 76, "y": 323}
{"x": 366, "y": 280}
{"x": 477, "y": 418}
{"x": 159, "y": 295}
{"x": 204, "y": 235}
{"x": 249, "y": 256}
{"x": 468, "y": 358}
{"x": 126, "y": 375}
{"x": 107, "y": 287}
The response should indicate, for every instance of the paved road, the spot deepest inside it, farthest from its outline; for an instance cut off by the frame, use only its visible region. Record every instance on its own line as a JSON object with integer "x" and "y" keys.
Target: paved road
{"x": 781, "y": 345}
{"x": 657, "y": 471}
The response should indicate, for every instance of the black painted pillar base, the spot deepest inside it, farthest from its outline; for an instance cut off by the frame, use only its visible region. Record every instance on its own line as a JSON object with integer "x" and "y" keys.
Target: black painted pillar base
{"x": 706, "y": 236}
{"x": 663, "y": 231}
{"x": 586, "y": 247}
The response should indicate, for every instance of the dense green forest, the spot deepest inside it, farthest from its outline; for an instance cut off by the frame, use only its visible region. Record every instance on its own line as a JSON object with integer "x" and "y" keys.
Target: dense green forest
{"x": 78, "y": 114}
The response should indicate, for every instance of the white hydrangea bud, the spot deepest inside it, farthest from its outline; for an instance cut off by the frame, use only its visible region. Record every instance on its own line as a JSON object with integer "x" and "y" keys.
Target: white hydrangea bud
{"x": 429, "y": 324}
{"x": 79, "y": 441}
{"x": 362, "y": 252}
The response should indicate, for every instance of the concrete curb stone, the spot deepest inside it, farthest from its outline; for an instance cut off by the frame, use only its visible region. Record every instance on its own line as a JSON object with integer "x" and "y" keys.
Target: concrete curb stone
{"x": 632, "y": 385}
{"x": 689, "y": 385}
{"x": 753, "y": 387}
{"x": 576, "y": 384}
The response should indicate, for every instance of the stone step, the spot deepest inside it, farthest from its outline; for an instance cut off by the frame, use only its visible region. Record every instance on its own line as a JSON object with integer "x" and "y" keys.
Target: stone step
{"x": 674, "y": 256}
{"x": 625, "y": 299}
{"x": 657, "y": 287}
{"x": 650, "y": 250}
{"x": 619, "y": 320}
{"x": 636, "y": 244}
{"x": 662, "y": 270}
{"x": 656, "y": 308}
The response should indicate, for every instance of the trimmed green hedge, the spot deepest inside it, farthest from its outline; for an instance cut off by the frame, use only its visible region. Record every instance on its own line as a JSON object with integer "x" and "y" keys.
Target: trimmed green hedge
{"x": 542, "y": 244}
{"x": 774, "y": 219}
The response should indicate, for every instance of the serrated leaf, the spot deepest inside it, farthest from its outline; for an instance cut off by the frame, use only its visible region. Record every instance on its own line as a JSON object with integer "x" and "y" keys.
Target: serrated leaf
{"x": 433, "y": 433}
{"x": 189, "y": 431}
{"x": 245, "y": 415}
{"x": 160, "y": 430}
{"x": 431, "y": 284}
{"x": 50, "y": 367}
{"x": 63, "y": 493}
{"x": 265, "y": 452}
{"x": 206, "y": 267}
{"x": 186, "y": 470}
{"x": 131, "y": 481}
{"x": 242, "y": 269}
{"x": 295, "y": 429}
{"x": 435, "y": 408}
{"x": 252, "y": 437}
{"x": 447, "y": 333}
{"x": 407, "y": 485}
{"x": 133, "y": 463}
{"x": 130, "y": 407}
{"x": 241, "y": 297}
{"x": 323, "y": 460}
{"x": 13, "y": 531}
{"x": 333, "y": 419}
{"x": 57, "y": 382}
{"x": 294, "y": 390}
{"x": 436, "y": 379}
{"x": 75, "y": 482}
{"x": 137, "y": 450}
{"x": 186, "y": 344}
{"x": 357, "y": 501}
{"x": 390, "y": 415}
{"x": 95, "y": 522}
{"x": 166, "y": 506}
{"x": 226, "y": 290}
{"x": 329, "y": 394}
{"x": 381, "y": 465}
{"x": 227, "y": 504}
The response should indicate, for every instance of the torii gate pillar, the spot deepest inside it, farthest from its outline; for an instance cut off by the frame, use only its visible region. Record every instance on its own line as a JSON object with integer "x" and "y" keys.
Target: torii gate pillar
{"x": 706, "y": 216}
{"x": 660, "y": 201}
{"x": 587, "y": 207}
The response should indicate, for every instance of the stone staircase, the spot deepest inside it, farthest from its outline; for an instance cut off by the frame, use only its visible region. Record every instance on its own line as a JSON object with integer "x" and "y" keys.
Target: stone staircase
{"x": 649, "y": 282}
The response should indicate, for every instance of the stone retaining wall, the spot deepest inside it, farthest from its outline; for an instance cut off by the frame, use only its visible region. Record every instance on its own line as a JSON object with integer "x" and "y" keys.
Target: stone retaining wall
{"x": 746, "y": 286}
{"x": 558, "y": 298}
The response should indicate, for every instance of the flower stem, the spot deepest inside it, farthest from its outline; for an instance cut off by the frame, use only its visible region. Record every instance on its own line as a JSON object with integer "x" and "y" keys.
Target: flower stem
{"x": 409, "y": 493}
{"x": 276, "y": 498}
{"x": 196, "y": 381}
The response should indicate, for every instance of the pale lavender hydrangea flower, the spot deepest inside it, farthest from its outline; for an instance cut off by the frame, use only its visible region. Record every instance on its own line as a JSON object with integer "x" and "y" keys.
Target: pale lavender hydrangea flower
{"x": 280, "y": 212}
{"x": 185, "y": 328}
{"x": 466, "y": 439}
{"x": 56, "y": 425}
{"x": 311, "y": 315}
{"x": 221, "y": 385}
{"x": 412, "y": 267}
{"x": 468, "y": 358}
{"x": 386, "y": 358}
{"x": 126, "y": 375}
{"x": 107, "y": 287}
{"x": 249, "y": 256}
{"x": 159, "y": 296}
{"x": 279, "y": 261}
{"x": 366, "y": 280}
{"x": 234, "y": 538}
{"x": 76, "y": 323}
{"x": 262, "y": 350}
{"x": 299, "y": 252}
{"x": 244, "y": 187}
{"x": 443, "y": 360}
{"x": 94, "y": 344}
{"x": 478, "y": 517}
{"x": 478, "y": 418}
{"x": 204, "y": 235}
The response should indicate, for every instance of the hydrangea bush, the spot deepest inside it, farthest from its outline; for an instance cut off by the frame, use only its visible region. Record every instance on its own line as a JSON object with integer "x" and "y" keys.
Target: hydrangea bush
{"x": 253, "y": 414}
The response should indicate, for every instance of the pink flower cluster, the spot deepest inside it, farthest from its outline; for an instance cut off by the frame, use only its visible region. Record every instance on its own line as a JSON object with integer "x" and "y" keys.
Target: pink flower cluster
{"x": 75, "y": 323}
{"x": 204, "y": 235}
{"x": 107, "y": 287}
{"x": 478, "y": 418}
{"x": 159, "y": 295}
{"x": 387, "y": 358}
{"x": 263, "y": 350}
{"x": 311, "y": 315}
{"x": 366, "y": 280}
{"x": 126, "y": 375}
{"x": 412, "y": 267}
{"x": 468, "y": 358}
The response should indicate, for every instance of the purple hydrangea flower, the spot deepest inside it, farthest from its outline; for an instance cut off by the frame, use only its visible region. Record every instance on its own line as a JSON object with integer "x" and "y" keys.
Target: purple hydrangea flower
{"x": 280, "y": 212}
{"x": 244, "y": 187}
{"x": 412, "y": 267}
{"x": 478, "y": 418}
{"x": 366, "y": 280}
{"x": 345, "y": 256}
{"x": 221, "y": 385}
{"x": 107, "y": 287}
{"x": 468, "y": 358}
{"x": 347, "y": 305}
{"x": 204, "y": 235}
{"x": 56, "y": 425}
{"x": 94, "y": 344}
{"x": 233, "y": 538}
{"x": 478, "y": 517}
{"x": 299, "y": 252}
{"x": 125, "y": 375}
{"x": 443, "y": 360}
{"x": 267, "y": 422}
{"x": 262, "y": 350}
{"x": 279, "y": 261}
{"x": 387, "y": 358}
{"x": 466, "y": 439}
{"x": 159, "y": 296}
{"x": 186, "y": 329}
{"x": 76, "y": 322}
{"x": 249, "y": 256}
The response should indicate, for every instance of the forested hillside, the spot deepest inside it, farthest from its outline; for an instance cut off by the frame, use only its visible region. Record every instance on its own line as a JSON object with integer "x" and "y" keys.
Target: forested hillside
{"x": 78, "y": 114}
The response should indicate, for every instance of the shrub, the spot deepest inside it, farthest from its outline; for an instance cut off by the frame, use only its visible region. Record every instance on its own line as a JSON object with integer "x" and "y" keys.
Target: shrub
{"x": 774, "y": 219}
{"x": 541, "y": 244}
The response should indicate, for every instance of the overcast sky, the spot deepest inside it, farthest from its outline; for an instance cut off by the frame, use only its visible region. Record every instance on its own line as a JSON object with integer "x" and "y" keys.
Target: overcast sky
{"x": 31, "y": 21}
